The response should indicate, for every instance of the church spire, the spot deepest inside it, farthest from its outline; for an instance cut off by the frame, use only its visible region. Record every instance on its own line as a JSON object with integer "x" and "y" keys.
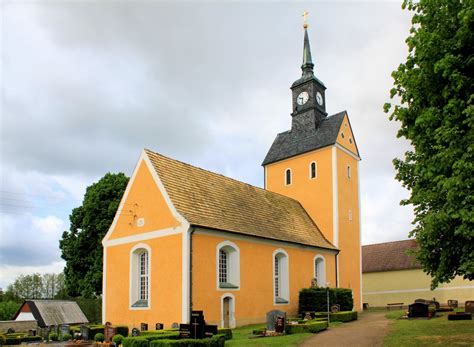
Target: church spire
{"x": 308, "y": 65}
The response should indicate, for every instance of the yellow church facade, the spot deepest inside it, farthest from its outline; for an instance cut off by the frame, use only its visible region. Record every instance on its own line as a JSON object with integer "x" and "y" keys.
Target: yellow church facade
{"x": 187, "y": 239}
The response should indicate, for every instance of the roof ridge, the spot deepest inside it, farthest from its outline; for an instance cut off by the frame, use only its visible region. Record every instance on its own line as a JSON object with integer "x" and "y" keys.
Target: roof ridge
{"x": 226, "y": 177}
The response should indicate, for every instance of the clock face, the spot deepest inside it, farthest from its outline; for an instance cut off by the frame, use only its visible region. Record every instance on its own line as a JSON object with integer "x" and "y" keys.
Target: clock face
{"x": 319, "y": 99}
{"x": 302, "y": 98}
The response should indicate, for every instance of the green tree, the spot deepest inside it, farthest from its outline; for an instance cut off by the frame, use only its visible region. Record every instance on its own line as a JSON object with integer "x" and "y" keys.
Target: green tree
{"x": 81, "y": 246}
{"x": 435, "y": 91}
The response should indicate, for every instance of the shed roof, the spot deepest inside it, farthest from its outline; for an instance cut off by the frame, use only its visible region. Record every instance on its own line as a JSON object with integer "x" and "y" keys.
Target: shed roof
{"x": 55, "y": 312}
{"x": 214, "y": 201}
{"x": 389, "y": 256}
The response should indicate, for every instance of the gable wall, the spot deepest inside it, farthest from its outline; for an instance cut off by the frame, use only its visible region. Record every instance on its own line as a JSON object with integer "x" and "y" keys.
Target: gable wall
{"x": 255, "y": 296}
{"x": 348, "y": 135}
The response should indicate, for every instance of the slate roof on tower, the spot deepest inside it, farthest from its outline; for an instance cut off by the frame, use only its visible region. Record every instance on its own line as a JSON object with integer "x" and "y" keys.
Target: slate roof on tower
{"x": 214, "y": 201}
{"x": 291, "y": 143}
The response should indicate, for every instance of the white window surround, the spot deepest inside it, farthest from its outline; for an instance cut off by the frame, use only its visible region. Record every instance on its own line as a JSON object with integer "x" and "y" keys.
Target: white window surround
{"x": 284, "y": 278}
{"x": 311, "y": 170}
{"x": 233, "y": 266}
{"x": 231, "y": 309}
{"x": 286, "y": 177}
{"x": 319, "y": 263}
{"x": 134, "y": 275}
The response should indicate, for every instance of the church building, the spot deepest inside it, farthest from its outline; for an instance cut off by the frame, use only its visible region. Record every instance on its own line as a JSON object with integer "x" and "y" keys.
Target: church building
{"x": 185, "y": 238}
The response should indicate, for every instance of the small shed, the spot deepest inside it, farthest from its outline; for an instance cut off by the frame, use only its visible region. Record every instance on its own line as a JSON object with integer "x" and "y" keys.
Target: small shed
{"x": 51, "y": 312}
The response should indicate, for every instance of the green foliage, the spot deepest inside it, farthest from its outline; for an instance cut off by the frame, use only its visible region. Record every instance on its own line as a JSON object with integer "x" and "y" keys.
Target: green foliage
{"x": 35, "y": 286}
{"x": 225, "y": 331}
{"x": 53, "y": 337}
{"x": 66, "y": 337}
{"x": 435, "y": 87}
{"x": 122, "y": 330}
{"x": 92, "y": 308}
{"x": 99, "y": 337}
{"x": 215, "y": 341}
{"x": 170, "y": 336}
{"x": 81, "y": 246}
{"x": 17, "y": 339}
{"x": 312, "y": 327}
{"x": 315, "y": 299}
{"x": 96, "y": 329}
{"x": 8, "y": 309}
{"x": 346, "y": 316}
{"x": 117, "y": 339}
{"x": 135, "y": 342}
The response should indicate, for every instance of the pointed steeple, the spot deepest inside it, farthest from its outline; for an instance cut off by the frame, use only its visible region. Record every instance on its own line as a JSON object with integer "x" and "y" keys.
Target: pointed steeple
{"x": 308, "y": 65}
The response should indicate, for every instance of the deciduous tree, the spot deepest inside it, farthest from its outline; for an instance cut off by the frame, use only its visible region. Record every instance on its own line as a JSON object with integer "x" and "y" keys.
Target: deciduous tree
{"x": 435, "y": 91}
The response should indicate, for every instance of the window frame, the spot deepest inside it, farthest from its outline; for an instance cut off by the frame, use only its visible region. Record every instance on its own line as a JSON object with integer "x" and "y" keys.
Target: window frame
{"x": 136, "y": 277}
{"x": 320, "y": 280}
{"x": 283, "y": 284}
{"x": 232, "y": 266}
{"x": 311, "y": 170}
{"x": 285, "y": 178}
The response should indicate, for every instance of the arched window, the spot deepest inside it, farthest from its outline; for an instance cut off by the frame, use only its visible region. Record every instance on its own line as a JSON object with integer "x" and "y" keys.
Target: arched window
{"x": 320, "y": 270}
{"x": 140, "y": 276}
{"x": 228, "y": 265}
{"x": 313, "y": 170}
{"x": 288, "y": 177}
{"x": 349, "y": 173}
{"x": 280, "y": 277}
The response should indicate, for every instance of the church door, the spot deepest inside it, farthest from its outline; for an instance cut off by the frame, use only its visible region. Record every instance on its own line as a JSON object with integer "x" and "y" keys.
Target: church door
{"x": 226, "y": 310}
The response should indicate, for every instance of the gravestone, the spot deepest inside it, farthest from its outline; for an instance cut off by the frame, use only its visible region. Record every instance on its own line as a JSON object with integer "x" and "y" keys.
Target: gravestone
{"x": 418, "y": 309}
{"x": 10, "y": 331}
{"x": 185, "y": 331}
{"x": 64, "y": 329}
{"x": 453, "y": 303}
{"x": 31, "y": 332}
{"x": 85, "y": 332}
{"x": 143, "y": 326}
{"x": 175, "y": 325}
{"x": 469, "y": 307}
{"x": 109, "y": 331}
{"x": 272, "y": 318}
{"x": 307, "y": 316}
{"x": 197, "y": 328}
{"x": 135, "y": 332}
{"x": 335, "y": 308}
{"x": 280, "y": 324}
{"x": 422, "y": 301}
{"x": 159, "y": 326}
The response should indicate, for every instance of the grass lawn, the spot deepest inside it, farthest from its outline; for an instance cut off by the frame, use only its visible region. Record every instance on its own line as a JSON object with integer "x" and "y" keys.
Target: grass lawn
{"x": 241, "y": 337}
{"x": 427, "y": 332}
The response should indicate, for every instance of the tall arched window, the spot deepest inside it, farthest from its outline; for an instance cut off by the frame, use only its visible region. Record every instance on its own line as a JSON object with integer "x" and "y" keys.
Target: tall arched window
{"x": 140, "y": 276}
{"x": 288, "y": 177}
{"x": 280, "y": 277}
{"x": 320, "y": 270}
{"x": 349, "y": 173}
{"x": 228, "y": 265}
{"x": 313, "y": 170}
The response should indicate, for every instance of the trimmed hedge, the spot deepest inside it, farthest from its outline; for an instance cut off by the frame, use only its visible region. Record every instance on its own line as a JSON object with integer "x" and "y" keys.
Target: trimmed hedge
{"x": 306, "y": 328}
{"x": 315, "y": 299}
{"x": 215, "y": 341}
{"x": 117, "y": 339}
{"x": 17, "y": 339}
{"x": 95, "y": 329}
{"x": 225, "y": 331}
{"x": 135, "y": 342}
{"x": 338, "y": 317}
{"x": 158, "y": 332}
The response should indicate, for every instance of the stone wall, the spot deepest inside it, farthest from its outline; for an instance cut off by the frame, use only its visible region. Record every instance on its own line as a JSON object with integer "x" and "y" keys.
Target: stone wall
{"x": 18, "y": 326}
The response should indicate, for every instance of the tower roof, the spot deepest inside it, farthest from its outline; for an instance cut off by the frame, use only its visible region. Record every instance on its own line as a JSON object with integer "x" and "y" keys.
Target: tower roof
{"x": 308, "y": 65}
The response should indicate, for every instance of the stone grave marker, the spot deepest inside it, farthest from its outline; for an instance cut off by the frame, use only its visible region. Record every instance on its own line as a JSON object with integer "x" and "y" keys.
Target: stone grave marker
{"x": 135, "y": 332}
{"x": 469, "y": 307}
{"x": 31, "y": 332}
{"x": 197, "y": 328}
{"x": 335, "y": 308}
{"x": 418, "y": 309}
{"x": 159, "y": 326}
{"x": 280, "y": 324}
{"x": 272, "y": 318}
{"x": 64, "y": 329}
{"x": 109, "y": 331}
{"x": 85, "y": 332}
{"x": 175, "y": 325}
{"x": 143, "y": 326}
{"x": 453, "y": 303}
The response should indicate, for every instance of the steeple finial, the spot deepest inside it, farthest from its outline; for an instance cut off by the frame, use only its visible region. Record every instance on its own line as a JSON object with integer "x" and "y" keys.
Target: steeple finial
{"x": 308, "y": 65}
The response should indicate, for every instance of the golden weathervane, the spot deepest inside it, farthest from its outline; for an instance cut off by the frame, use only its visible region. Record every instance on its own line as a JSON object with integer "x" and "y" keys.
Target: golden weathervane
{"x": 305, "y": 18}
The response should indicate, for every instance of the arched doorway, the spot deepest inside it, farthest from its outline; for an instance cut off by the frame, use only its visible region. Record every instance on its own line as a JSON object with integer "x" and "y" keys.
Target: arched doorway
{"x": 227, "y": 311}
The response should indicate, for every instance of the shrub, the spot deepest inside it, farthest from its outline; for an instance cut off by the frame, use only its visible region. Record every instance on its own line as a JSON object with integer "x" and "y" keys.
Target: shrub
{"x": 66, "y": 337}
{"x": 313, "y": 327}
{"x": 53, "y": 337}
{"x": 99, "y": 337}
{"x": 225, "y": 331}
{"x": 315, "y": 299}
{"x": 31, "y": 338}
{"x": 215, "y": 341}
{"x": 95, "y": 329}
{"x": 338, "y": 317}
{"x": 3, "y": 339}
{"x": 122, "y": 330}
{"x": 117, "y": 339}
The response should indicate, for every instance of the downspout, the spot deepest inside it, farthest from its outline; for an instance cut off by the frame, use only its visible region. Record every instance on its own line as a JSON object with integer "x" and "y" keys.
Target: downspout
{"x": 336, "y": 267}
{"x": 191, "y": 231}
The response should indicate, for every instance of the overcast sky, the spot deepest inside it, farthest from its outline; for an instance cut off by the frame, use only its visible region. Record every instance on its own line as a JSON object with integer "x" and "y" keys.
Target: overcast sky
{"x": 86, "y": 85}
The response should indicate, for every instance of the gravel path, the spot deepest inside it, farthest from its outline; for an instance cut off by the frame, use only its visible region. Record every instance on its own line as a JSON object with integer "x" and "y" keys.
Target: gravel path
{"x": 369, "y": 330}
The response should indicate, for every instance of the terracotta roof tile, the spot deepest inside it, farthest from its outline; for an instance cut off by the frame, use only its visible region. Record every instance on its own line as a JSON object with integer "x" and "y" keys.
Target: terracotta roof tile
{"x": 389, "y": 256}
{"x": 214, "y": 201}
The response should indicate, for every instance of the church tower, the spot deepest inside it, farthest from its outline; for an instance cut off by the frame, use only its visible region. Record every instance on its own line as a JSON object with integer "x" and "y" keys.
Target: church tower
{"x": 317, "y": 163}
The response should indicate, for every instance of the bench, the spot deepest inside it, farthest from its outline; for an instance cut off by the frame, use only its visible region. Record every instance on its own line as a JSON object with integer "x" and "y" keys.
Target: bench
{"x": 395, "y": 304}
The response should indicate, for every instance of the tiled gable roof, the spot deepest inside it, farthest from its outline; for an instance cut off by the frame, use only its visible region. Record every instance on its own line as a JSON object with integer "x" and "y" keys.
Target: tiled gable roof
{"x": 389, "y": 256}
{"x": 290, "y": 143}
{"x": 214, "y": 201}
{"x": 55, "y": 312}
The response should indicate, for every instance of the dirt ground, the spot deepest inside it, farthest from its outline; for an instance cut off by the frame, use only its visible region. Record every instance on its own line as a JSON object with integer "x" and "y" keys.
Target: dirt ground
{"x": 369, "y": 330}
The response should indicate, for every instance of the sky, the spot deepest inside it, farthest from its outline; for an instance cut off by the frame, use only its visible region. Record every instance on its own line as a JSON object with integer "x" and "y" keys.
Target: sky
{"x": 86, "y": 85}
